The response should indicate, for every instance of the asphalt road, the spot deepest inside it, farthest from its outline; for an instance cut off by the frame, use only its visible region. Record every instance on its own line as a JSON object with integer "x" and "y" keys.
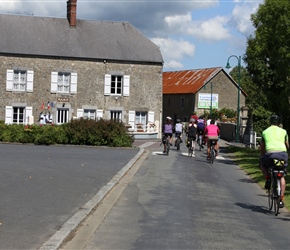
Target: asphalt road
{"x": 42, "y": 187}
{"x": 177, "y": 202}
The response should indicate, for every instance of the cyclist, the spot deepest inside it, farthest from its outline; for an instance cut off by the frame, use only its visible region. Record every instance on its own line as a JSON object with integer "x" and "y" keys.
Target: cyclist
{"x": 211, "y": 132}
{"x": 200, "y": 127}
{"x": 178, "y": 130}
{"x": 167, "y": 130}
{"x": 274, "y": 145}
{"x": 191, "y": 134}
{"x": 194, "y": 116}
{"x": 208, "y": 121}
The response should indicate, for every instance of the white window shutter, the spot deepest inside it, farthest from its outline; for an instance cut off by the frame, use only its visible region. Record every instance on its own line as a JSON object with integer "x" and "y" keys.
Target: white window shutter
{"x": 28, "y": 112}
{"x": 29, "y": 83}
{"x": 131, "y": 119}
{"x": 53, "y": 87}
{"x": 99, "y": 114}
{"x": 80, "y": 113}
{"x": 9, "y": 79}
{"x": 126, "y": 87}
{"x": 107, "y": 87}
{"x": 151, "y": 116}
{"x": 8, "y": 115}
{"x": 73, "y": 84}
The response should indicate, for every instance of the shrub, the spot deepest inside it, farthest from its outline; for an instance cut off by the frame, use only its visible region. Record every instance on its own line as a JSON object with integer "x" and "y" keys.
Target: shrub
{"x": 77, "y": 132}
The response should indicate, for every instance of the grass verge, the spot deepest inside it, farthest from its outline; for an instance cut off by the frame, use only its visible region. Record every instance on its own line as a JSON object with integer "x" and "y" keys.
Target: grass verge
{"x": 248, "y": 160}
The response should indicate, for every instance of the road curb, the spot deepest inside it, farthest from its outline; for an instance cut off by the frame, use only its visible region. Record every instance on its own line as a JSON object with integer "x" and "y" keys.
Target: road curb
{"x": 63, "y": 233}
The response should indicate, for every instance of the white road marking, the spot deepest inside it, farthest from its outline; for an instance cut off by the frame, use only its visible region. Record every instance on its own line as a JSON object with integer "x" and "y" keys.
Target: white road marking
{"x": 147, "y": 144}
{"x": 157, "y": 153}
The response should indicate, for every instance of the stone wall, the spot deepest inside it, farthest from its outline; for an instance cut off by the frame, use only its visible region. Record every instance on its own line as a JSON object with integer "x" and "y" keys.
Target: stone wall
{"x": 145, "y": 86}
{"x": 227, "y": 93}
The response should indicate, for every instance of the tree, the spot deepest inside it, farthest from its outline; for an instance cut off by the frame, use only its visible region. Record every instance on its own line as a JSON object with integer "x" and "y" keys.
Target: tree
{"x": 268, "y": 57}
{"x": 255, "y": 99}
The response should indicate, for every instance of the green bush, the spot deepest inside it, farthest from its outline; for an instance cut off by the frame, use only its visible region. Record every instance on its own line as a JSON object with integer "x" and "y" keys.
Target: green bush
{"x": 77, "y": 132}
{"x": 229, "y": 113}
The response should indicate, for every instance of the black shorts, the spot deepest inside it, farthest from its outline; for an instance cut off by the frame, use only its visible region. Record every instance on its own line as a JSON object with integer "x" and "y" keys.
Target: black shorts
{"x": 268, "y": 159}
{"x": 199, "y": 131}
{"x": 168, "y": 134}
{"x": 192, "y": 138}
{"x": 177, "y": 134}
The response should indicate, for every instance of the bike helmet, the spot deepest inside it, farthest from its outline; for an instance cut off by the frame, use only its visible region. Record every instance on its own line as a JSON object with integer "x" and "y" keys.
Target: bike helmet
{"x": 168, "y": 118}
{"x": 275, "y": 120}
{"x": 192, "y": 120}
{"x": 178, "y": 120}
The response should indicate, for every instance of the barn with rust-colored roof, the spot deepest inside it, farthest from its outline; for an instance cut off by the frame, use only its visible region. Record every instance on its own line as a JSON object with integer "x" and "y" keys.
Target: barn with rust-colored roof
{"x": 200, "y": 91}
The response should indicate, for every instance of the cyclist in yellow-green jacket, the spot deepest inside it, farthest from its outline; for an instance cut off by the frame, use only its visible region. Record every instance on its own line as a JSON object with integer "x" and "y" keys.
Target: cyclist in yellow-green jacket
{"x": 274, "y": 145}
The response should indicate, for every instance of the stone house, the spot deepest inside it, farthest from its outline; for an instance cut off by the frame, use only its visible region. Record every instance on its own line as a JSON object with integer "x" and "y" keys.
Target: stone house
{"x": 199, "y": 90}
{"x": 53, "y": 70}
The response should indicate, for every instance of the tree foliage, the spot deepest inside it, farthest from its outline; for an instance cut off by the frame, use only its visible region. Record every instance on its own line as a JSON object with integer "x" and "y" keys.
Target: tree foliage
{"x": 268, "y": 58}
{"x": 258, "y": 113}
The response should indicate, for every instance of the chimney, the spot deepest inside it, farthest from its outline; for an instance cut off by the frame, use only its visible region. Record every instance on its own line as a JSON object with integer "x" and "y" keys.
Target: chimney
{"x": 71, "y": 12}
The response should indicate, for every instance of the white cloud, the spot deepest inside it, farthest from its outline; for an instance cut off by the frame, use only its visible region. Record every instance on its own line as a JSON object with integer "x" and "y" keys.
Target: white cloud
{"x": 173, "y": 65}
{"x": 241, "y": 17}
{"x": 213, "y": 29}
{"x": 36, "y": 8}
{"x": 174, "y": 49}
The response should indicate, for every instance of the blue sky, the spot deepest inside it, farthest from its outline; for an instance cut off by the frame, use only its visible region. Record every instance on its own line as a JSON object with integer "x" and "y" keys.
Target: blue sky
{"x": 191, "y": 34}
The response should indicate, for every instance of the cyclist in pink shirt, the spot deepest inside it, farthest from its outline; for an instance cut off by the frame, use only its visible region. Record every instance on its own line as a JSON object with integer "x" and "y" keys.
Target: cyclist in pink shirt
{"x": 211, "y": 132}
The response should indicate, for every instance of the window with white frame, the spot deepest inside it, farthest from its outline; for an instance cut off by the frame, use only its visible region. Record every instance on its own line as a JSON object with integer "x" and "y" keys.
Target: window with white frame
{"x": 19, "y": 80}
{"x": 18, "y": 114}
{"x": 117, "y": 85}
{"x": 141, "y": 117}
{"x": 62, "y": 115}
{"x": 116, "y": 115}
{"x": 90, "y": 114}
{"x": 64, "y": 82}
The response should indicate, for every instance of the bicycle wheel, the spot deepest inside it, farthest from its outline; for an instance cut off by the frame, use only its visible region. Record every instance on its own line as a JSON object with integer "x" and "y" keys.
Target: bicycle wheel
{"x": 190, "y": 148}
{"x": 276, "y": 197}
{"x": 167, "y": 148}
{"x": 212, "y": 154}
{"x": 278, "y": 190}
{"x": 270, "y": 197}
{"x": 177, "y": 144}
{"x": 200, "y": 142}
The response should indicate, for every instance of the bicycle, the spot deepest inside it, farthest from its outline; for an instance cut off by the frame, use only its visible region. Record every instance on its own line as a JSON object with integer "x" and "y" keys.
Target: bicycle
{"x": 212, "y": 154}
{"x": 199, "y": 140}
{"x": 178, "y": 141}
{"x": 191, "y": 147}
{"x": 274, "y": 192}
{"x": 167, "y": 145}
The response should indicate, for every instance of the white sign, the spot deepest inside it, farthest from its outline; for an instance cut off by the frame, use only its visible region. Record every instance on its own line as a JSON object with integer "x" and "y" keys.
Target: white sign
{"x": 207, "y": 100}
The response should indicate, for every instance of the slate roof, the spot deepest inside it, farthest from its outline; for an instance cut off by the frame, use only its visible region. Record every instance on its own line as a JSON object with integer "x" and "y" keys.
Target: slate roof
{"x": 187, "y": 81}
{"x": 46, "y": 36}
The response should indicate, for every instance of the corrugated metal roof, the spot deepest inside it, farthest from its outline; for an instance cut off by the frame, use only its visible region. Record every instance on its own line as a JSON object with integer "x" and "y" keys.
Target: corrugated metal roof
{"x": 187, "y": 81}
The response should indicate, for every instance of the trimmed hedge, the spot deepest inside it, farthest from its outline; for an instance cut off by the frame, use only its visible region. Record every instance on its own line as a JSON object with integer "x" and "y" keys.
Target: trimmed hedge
{"x": 77, "y": 132}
